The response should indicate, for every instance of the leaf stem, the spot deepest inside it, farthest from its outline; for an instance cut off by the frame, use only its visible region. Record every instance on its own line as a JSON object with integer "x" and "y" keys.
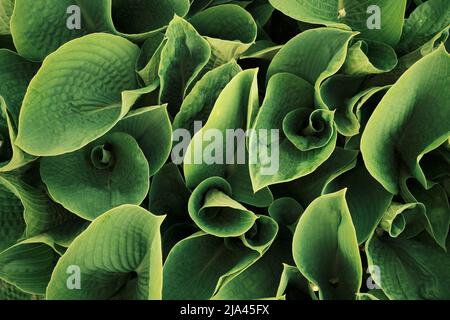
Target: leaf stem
{"x": 341, "y": 9}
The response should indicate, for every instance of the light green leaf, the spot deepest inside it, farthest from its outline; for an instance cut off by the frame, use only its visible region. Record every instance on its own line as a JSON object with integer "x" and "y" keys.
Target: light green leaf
{"x": 306, "y": 139}
{"x": 352, "y": 14}
{"x": 304, "y": 56}
{"x": 87, "y": 103}
{"x": 294, "y": 286}
{"x": 29, "y": 264}
{"x": 41, "y": 27}
{"x": 239, "y": 102}
{"x": 423, "y": 23}
{"x": 106, "y": 173}
{"x": 118, "y": 255}
{"x": 6, "y": 10}
{"x": 367, "y": 200}
{"x": 198, "y": 104}
{"x": 216, "y": 213}
{"x": 198, "y": 266}
{"x": 399, "y": 138}
{"x": 229, "y": 29}
{"x": 152, "y": 130}
{"x": 331, "y": 261}
{"x": 182, "y": 58}
{"x": 410, "y": 269}
{"x": 369, "y": 57}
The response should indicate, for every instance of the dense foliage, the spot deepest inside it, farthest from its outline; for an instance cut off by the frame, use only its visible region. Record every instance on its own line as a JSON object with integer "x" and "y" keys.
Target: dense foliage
{"x": 347, "y": 197}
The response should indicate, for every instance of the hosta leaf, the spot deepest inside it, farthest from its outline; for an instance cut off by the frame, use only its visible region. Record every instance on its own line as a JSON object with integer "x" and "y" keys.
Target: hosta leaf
{"x": 424, "y": 22}
{"x": 106, "y": 173}
{"x": 375, "y": 294}
{"x": 182, "y": 58}
{"x": 118, "y": 255}
{"x": 367, "y": 200}
{"x": 11, "y": 157}
{"x": 410, "y": 269}
{"x": 261, "y": 279}
{"x": 229, "y": 29}
{"x": 294, "y": 286}
{"x": 369, "y": 57}
{"x": 262, "y": 49}
{"x": 10, "y": 292}
{"x": 304, "y": 56}
{"x": 169, "y": 195}
{"x": 239, "y": 102}
{"x": 40, "y": 213}
{"x": 437, "y": 208}
{"x": 87, "y": 103}
{"x": 338, "y": 93}
{"x": 357, "y": 112}
{"x": 29, "y": 264}
{"x": 331, "y": 261}
{"x": 396, "y": 138}
{"x": 150, "y": 57}
{"x": 307, "y": 136}
{"x": 198, "y": 266}
{"x": 215, "y": 212}
{"x": 356, "y": 15}
{"x": 311, "y": 186}
{"x": 12, "y": 222}
{"x": 405, "y": 220}
{"x": 40, "y": 27}
{"x": 200, "y": 101}
{"x": 6, "y": 10}
{"x": 152, "y": 130}
{"x": 141, "y": 16}
{"x": 15, "y": 75}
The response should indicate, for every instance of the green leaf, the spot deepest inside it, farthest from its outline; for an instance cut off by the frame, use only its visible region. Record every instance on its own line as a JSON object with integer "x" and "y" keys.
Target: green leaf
{"x": 261, "y": 279}
{"x": 118, "y": 255}
{"x": 198, "y": 266}
{"x": 436, "y": 211}
{"x": 6, "y": 10}
{"x": 394, "y": 140}
{"x": 410, "y": 269}
{"x": 369, "y": 57}
{"x": 216, "y": 213}
{"x": 311, "y": 186}
{"x": 149, "y": 59}
{"x": 107, "y": 173}
{"x": 28, "y": 264}
{"x": 40, "y": 213}
{"x": 198, "y": 104}
{"x": 87, "y": 103}
{"x": 239, "y": 102}
{"x": 11, "y": 157}
{"x": 11, "y": 218}
{"x": 304, "y": 56}
{"x": 10, "y": 292}
{"x": 152, "y": 130}
{"x": 367, "y": 200}
{"x": 143, "y": 16}
{"x": 331, "y": 261}
{"x": 355, "y": 15}
{"x": 41, "y": 27}
{"x": 182, "y": 58}
{"x": 294, "y": 286}
{"x": 405, "y": 220}
{"x": 423, "y": 23}
{"x": 306, "y": 139}
{"x": 15, "y": 75}
{"x": 228, "y": 28}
